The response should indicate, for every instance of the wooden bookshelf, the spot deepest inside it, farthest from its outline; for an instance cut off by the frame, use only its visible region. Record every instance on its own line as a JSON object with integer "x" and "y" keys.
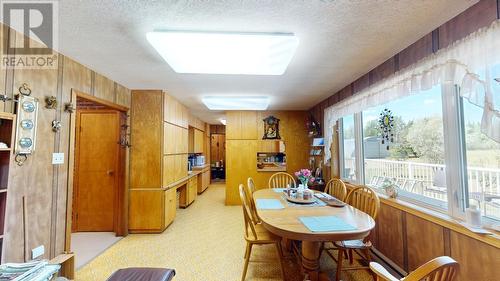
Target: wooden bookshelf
{"x": 7, "y": 125}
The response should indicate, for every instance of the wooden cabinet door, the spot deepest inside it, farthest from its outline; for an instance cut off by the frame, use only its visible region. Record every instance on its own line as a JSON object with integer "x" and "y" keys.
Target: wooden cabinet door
{"x": 183, "y": 169}
{"x": 198, "y": 141}
{"x": 145, "y": 211}
{"x": 168, "y": 169}
{"x": 169, "y": 140}
{"x": 206, "y": 179}
{"x": 170, "y": 207}
{"x": 193, "y": 186}
{"x": 184, "y": 141}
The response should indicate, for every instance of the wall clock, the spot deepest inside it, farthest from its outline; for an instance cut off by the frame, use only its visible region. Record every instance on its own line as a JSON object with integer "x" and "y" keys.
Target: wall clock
{"x": 271, "y": 128}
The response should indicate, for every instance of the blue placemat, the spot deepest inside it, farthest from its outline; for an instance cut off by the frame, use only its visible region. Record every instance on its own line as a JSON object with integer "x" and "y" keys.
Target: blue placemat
{"x": 269, "y": 204}
{"x": 326, "y": 224}
{"x": 278, "y": 190}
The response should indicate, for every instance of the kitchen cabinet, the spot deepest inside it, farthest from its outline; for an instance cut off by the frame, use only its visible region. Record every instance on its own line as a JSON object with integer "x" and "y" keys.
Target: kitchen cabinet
{"x": 177, "y": 144}
{"x": 196, "y": 140}
{"x": 204, "y": 180}
{"x": 158, "y": 158}
{"x": 189, "y": 193}
{"x": 192, "y": 189}
{"x": 170, "y": 206}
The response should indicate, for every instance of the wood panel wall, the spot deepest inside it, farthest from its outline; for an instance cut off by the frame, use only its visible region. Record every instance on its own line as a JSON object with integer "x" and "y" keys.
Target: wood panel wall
{"x": 477, "y": 16}
{"x": 45, "y": 185}
{"x": 409, "y": 239}
{"x": 244, "y": 130}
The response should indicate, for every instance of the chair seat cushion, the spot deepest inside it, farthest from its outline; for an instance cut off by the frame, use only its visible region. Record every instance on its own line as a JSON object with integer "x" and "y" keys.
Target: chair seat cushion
{"x": 142, "y": 274}
{"x": 353, "y": 244}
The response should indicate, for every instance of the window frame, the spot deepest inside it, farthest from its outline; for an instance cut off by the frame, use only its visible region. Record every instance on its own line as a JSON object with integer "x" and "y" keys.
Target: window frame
{"x": 454, "y": 156}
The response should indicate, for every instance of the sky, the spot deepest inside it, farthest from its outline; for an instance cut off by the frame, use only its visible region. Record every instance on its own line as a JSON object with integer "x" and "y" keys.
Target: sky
{"x": 422, "y": 105}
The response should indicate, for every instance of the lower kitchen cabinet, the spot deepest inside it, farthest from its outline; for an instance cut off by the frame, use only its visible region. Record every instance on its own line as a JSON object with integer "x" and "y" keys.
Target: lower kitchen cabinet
{"x": 170, "y": 205}
{"x": 204, "y": 180}
{"x": 192, "y": 187}
{"x": 151, "y": 211}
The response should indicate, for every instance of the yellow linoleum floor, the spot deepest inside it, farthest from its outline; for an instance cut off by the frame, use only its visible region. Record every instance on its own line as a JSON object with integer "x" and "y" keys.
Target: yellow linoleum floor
{"x": 205, "y": 242}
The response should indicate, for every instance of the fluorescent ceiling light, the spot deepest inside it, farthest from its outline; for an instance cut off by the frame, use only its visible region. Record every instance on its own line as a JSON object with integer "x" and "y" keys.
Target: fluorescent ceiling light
{"x": 225, "y": 53}
{"x": 223, "y": 121}
{"x": 236, "y": 103}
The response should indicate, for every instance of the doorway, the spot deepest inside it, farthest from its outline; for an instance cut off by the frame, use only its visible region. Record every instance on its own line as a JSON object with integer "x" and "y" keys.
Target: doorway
{"x": 98, "y": 209}
{"x": 218, "y": 156}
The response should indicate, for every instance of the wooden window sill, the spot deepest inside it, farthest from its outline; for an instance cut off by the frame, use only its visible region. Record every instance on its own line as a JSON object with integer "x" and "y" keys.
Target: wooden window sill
{"x": 438, "y": 218}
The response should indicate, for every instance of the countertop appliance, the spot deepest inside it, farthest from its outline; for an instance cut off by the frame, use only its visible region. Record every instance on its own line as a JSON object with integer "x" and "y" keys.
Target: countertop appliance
{"x": 200, "y": 160}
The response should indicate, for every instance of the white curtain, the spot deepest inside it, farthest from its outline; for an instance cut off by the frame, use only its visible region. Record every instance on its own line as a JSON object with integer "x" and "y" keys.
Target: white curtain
{"x": 469, "y": 63}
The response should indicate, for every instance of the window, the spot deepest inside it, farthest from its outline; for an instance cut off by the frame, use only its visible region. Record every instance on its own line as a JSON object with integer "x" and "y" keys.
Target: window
{"x": 438, "y": 156}
{"x": 414, "y": 160}
{"x": 483, "y": 158}
{"x": 348, "y": 148}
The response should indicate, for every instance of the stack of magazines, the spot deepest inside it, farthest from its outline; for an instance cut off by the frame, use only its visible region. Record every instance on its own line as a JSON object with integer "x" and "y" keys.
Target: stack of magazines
{"x": 32, "y": 271}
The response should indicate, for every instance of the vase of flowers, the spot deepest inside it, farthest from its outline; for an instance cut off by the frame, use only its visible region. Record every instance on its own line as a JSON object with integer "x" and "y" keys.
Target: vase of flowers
{"x": 304, "y": 176}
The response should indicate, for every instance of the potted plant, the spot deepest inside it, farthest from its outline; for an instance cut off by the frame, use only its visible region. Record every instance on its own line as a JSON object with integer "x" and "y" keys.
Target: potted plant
{"x": 390, "y": 188}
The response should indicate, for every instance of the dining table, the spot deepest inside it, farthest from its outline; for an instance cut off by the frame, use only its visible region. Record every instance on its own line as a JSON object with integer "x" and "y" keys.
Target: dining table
{"x": 288, "y": 222}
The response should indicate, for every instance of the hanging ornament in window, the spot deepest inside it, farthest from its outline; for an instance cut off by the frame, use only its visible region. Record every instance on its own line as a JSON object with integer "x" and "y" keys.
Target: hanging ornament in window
{"x": 386, "y": 124}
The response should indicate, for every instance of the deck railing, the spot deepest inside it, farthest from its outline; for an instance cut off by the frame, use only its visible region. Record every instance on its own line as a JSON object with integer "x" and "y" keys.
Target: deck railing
{"x": 429, "y": 180}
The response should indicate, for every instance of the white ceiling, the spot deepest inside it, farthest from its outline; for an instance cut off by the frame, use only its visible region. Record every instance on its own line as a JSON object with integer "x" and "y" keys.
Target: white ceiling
{"x": 339, "y": 41}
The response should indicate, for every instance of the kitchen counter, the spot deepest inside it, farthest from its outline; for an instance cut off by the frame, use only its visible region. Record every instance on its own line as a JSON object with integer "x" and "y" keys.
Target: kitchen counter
{"x": 183, "y": 180}
{"x": 200, "y": 167}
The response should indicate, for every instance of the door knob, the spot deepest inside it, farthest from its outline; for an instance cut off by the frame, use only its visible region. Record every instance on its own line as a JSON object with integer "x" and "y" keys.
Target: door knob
{"x": 110, "y": 172}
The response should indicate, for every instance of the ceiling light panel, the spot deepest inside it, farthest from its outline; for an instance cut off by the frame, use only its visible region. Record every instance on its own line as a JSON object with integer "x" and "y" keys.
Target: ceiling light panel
{"x": 236, "y": 103}
{"x": 225, "y": 53}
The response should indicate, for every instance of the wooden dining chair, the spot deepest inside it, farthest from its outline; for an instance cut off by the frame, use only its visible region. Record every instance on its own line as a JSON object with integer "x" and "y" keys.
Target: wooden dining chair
{"x": 250, "y": 190}
{"x": 439, "y": 269}
{"x": 336, "y": 188}
{"x": 366, "y": 200}
{"x": 256, "y": 234}
{"x": 281, "y": 180}
{"x": 251, "y": 185}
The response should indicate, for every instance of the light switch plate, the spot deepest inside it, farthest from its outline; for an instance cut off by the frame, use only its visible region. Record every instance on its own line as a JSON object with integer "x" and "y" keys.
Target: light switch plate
{"x": 37, "y": 252}
{"x": 57, "y": 158}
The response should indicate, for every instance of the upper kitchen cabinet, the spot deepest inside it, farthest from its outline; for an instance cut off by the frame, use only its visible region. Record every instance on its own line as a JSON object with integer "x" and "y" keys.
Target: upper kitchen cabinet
{"x": 175, "y": 112}
{"x": 196, "y": 140}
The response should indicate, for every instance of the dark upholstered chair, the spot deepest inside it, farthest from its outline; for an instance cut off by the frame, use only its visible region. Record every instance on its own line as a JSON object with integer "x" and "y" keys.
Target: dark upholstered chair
{"x": 142, "y": 274}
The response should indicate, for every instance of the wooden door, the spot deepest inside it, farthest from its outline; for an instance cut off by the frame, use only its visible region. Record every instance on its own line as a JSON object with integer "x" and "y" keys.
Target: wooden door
{"x": 218, "y": 147}
{"x": 96, "y": 170}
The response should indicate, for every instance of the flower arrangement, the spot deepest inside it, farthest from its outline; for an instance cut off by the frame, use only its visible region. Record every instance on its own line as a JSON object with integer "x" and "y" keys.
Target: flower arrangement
{"x": 304, "y": 176}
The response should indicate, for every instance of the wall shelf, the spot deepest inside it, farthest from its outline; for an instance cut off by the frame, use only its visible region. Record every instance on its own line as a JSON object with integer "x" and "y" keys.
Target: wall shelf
{"x": 7, "y": 125}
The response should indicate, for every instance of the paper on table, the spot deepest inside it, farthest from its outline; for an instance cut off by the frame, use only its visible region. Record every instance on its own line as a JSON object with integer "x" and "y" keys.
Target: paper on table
{"x": 326, "y": 224}
{"x": 269, "y": 204}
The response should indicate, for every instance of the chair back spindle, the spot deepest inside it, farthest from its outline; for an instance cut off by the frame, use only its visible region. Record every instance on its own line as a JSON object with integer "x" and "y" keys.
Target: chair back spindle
{"x": 364, "y": 199}
{"x": 249, "y": 223}
{"x": 281, "y": 180}
{"x": 250, "y": 190}
{"x": 336, "y": 188}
